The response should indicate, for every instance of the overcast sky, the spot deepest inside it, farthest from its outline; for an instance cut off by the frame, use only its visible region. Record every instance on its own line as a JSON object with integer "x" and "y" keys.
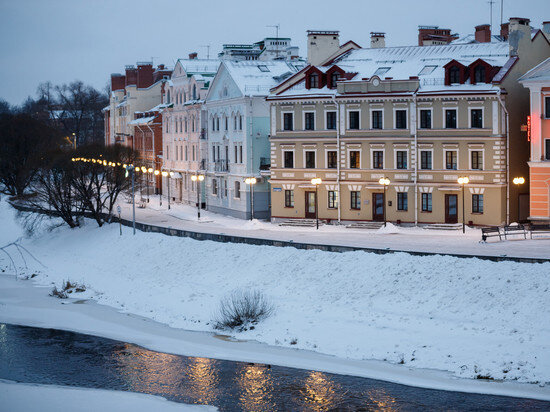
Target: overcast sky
{"x": 64, "y": 40}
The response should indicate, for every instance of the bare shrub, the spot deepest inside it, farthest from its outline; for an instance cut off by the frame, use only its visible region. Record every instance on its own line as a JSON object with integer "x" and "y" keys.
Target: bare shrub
{"x": 67, "y": 288}
{"x": 58, "y": 293}
{"x": 242, "y": 308}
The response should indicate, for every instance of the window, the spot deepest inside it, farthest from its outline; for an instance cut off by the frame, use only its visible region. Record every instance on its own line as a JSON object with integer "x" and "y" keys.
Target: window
{"x": 400, "y": 119}
{"x": 218, "y": 124}
{"x": 263, "y": 68}
{"x": 376, "y": 116}
{"x": 381, "y": 71}
{"x": 454, "y": 75}
{"x": 288, "y": 121}
{"x": 450, "y": 118}
{"x": 309, "y": 121}
{"x": 310, "y": 159}
{"x": 426, "y": 202}
{"x": 213, "y": 124}
{"x": 547, "y": 107}
{"x": 240, "y": 153}
{"x": 476, "y": 157}
{"x": 425, "y": 119}
{"x": 477, "y": 203}
{"x": 355, "y": 200}
{"x": 377, "y": 159}
{"x": 194, "y": 92}
{"x": 426, "y": 159}
{"x": 450, "y": 159}
{"x": 547, "y": 149}
{"x": 332, "y": 199}
{"x": 402, "y": 201}
{"x": 479, "y": 74}
{"x": 476, "y": 118}
{"x": 427, "y": 70}
{"x": 226, "y": 123}
{"x": 401, "y": 159}
{"x": 237, "y": 193}
{"x": 354, "y": 120}
{"x": 331, "y": 120}
{"x": 194, "y": 153}
{"x": 314, "y": 81}
{"x": 214, "y": 186}
{"x": 236, "y": 157}
{"x": 354, "y": 159}
{"x": 225, "y": 187}
{"x": 234, "y": 122}
{"x": 289, "y": 198}
{"x": 334, "y": 77}
{"x": 288, "y": 159}
{"x": 332, "y": 158}
{"x": 186, "y": 154}
{"x": 240, "y": 122}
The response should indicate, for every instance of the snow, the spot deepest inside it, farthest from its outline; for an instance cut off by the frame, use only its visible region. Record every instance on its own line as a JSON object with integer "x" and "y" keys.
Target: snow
{"x": 466, "y": 316}
{"x": 143, "y": 120}
{"x": 44, "y": 398}
{"x": 388, "y": 229}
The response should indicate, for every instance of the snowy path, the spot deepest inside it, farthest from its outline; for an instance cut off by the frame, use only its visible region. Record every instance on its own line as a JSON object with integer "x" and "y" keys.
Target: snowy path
{"x": 407, "y": 239}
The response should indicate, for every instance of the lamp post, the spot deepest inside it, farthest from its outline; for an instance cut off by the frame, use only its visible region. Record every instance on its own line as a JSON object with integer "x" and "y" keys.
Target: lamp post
{"x": 384, "y": 181}
{"x": 156, "y": 173}
{"x": 463, "y": 181}
{"x": 518, "y": 181}
{"x": 251, "y": 181}
{"x": 149, "y": 173}
{"x": 131, "y": 169}
{"x": 316, "y": 181}
{"x": 198, "y": 179}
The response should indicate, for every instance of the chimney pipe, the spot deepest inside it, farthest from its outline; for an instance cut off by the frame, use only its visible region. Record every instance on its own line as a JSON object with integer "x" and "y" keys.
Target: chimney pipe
{"x": 193, "y": 56}
{"x": 504, "y": 30}
{"x": 483, "y": 33}
{"x": 377, "y": 40}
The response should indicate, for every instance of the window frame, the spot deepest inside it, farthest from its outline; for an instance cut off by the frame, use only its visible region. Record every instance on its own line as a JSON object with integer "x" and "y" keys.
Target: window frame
{"x": 477, "y": 203}
{"x": 470, "y": 109}
{"x": 332, "y": 201}
{"x": 327, "y": 151}
{"x": 289, "y": 198}
{"x": 546, "y": 155}
{"x": 349, "y": 150}
{"x": 372, "y": 151}
{"x": 335, "y": 119}
{"x": 371, "y": 118}
{"x": 304, "y": 116}
{"x": 237, "y": 191}
{"x": 431, "y": 151}
{"x": 445, "y": 158}
{"x": 445, "y": 109}
{"x": 349, "y": 111}
{"x": 470, "y": 163}
{"x": 305, "y": 152}
{"x": 283, "y": 124}
{"x": 355, "y": 195}
{"x": 402, "y": 202}
{"x": 395, "y": 160}
{"x": 398, "y": 109}
{"x": 283, "y": 151}
{"x": 429, "y": 202}
{"x": 431, "y": 110}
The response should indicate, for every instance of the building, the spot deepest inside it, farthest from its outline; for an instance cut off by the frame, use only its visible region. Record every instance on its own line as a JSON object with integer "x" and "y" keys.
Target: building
{"x": 420, "y": 116}
{"x": 538, "y": 124}
{"x": 238, "y": 128}
{"x": 185, "y": 126}
{"x": 434, "y": 36}
{"x": 270, "y": 48}
{"x": 139, "y": 89}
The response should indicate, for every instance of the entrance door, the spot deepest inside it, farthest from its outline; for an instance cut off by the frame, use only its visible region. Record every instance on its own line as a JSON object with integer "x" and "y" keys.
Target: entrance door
{"x": 378, "y": 207}
{"x": 451, "y": 208}
{"x": 310, "y": 205}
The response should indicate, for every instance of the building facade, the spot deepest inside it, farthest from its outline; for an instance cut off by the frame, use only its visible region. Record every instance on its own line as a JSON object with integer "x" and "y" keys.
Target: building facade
{"x": 538, "y": 124}
{"x": 420, "y": 116}
{"x": 270, "y": 48}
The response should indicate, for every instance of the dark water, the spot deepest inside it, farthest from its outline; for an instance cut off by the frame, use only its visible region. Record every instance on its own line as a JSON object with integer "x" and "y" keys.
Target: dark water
{"x": 49, "y": 356}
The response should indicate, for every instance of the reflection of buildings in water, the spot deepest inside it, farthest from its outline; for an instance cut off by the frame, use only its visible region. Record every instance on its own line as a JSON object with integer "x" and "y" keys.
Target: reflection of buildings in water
{"x": 203, "y": 380}
{"x": 256, "y": 384}
{"x": 320, "y": 393}
{"x": 382, "y": 400}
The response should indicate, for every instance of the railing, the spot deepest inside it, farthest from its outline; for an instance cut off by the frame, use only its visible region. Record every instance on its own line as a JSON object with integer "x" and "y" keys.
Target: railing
{"x": 221, "y": 165}
{"x": 265, "y": 163}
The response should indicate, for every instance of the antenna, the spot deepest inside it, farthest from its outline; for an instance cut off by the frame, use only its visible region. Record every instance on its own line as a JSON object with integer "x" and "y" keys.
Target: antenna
{"x": 207, "y": 50}
{"x": 501, "y": 11}
{"x": 277, "y": 27}
{"x": 491, "y": 2}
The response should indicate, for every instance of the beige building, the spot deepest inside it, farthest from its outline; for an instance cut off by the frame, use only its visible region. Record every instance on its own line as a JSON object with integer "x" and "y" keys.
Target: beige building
{"x": 420, "y": 116}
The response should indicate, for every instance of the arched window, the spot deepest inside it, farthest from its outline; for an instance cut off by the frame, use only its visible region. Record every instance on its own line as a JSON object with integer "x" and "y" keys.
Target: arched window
{"x": 193, "y": 124}
{"x": 168, "y": 96}
{"x": 185, "y": 124}
{"x": 479, "y": 74}
{"x": 217, "y": 123}
{"x": 237, "y": 190}
{"x": 194, "y": 92}
{"x": 334, "y": 77}
{"x": 226, "y": 123}
{"x": 454, "y": 75}
{"x": 213, "y": 124}
{"x": 314, "y": 81}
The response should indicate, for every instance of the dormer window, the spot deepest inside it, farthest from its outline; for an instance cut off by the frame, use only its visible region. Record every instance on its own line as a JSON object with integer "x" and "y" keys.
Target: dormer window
{"x": 334, "y": 77}
{"x": 314, "y": 81}
{"x": 479, "y": 74}
{"x": 454, "y": 75}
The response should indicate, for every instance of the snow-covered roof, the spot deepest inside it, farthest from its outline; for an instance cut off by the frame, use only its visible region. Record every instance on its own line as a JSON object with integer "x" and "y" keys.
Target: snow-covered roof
{"x": 200, "y": 66}
{"x": 471, "y": 38}
{"x": 257, "y": 77}
{"x": 143, "y": 120}
{"x": 539, "y": 73}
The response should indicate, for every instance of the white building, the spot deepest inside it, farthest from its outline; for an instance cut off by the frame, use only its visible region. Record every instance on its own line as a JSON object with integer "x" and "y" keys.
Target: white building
{"x": 270, "y": 48}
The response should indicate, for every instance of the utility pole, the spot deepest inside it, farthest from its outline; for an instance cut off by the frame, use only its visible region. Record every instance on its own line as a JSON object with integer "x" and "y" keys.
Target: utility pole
{"x": 491, "y": 2}
{"x": 501, "y": 11}
{"x": 277, "y": 27}
{"x": 207, "y": 50}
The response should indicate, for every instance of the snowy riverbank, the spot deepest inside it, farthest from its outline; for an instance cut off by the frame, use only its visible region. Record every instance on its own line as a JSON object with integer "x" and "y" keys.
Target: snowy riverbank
{"x": 470, "y": 317}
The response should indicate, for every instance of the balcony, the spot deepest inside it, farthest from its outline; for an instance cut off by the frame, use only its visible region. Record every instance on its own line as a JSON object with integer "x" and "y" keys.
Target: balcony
{"x": 221, "y": 166}
{"x": 265, "y": 163}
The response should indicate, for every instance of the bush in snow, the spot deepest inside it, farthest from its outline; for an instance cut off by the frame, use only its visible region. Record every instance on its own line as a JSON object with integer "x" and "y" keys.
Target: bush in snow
{"x": 242, "y": 308}
{"x": 67, "y": 288}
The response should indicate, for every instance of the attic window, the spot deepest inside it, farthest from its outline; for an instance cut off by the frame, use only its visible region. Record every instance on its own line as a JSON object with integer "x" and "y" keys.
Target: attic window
{"x": 263, "y": 68}
{"x": 381, "y": 71}
{"x": 427, "y": 70}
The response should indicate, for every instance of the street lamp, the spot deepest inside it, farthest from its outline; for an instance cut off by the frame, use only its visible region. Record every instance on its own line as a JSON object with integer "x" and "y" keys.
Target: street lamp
{"x": 198, "y": 179}
{"x": 156, "y": 173}
{"x": 518, "y": 181}
{"x": 149, "y": 171}
{"x": 251, "y": 181}
{"x": 463, "y": 181}
{"x": 316, "y": 181}
{"x": 384, "y": 181}
{"x": 131, "y": 169}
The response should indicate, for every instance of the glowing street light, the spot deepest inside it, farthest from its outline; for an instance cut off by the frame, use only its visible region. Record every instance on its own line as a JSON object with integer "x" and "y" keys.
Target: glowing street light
{"x": 198, "y": 179}
{"x": 316, "y": 181}
{"x": 463, "y": 181}
{"x": 518, "y": 181}
{"x": 251, "y": 181}
{"x": 384, "y": 181}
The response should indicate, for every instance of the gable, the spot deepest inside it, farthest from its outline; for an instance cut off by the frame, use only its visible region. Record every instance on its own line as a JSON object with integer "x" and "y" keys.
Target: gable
{"x": 223, "y": 86}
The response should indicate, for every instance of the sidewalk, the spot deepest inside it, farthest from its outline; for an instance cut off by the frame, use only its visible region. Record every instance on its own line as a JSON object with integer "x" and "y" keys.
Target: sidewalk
{"x": 401, "y": 239}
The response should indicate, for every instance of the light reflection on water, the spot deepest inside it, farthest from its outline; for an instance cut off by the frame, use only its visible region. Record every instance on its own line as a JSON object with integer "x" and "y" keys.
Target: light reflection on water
{"x": 56, "y": 357}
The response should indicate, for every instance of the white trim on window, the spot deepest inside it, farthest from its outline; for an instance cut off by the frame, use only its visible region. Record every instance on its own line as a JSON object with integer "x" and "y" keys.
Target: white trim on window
{"x": 420, "y": 109}
{"x": 283, "y": 121}
{"x": 304, "y": 119}
{"x": 445, "y": 158}
{"x": 348, "y": 158}
{"x": 293, "y": 158}
{"x": 325, "y": 118}
{"x": 473, "y": 149}
{"x": 372, "y": 150}
{"x": 395, "y": 117}
{"x": 376, "y": 109}
{"x": 326, "y": 158}
{"x": 420, "y": 158}
{"x": 347, "y": 118}
{"x": 470, "y": 116}
{"x": 444, "y": 118}
{"x": 397, "y": 149}
{"x": 304, "y": 158}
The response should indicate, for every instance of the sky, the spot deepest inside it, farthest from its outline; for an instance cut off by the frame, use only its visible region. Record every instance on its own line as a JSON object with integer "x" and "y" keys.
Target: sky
{"x": 65, "y": 40}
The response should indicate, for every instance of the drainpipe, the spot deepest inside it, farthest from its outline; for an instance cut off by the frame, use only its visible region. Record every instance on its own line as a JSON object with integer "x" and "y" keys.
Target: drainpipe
{"x": 415, "y": 158}
{"x": 251, "y": 156}
{"x": 338, "y": 155}
{"x": 507, "y": 156}
{"x": 154, "y": 154}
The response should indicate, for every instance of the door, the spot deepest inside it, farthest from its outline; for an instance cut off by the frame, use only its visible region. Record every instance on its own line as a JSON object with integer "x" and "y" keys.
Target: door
{"x": 310, "y": 205}
{"x": 451, "y": 208}
{"x": 378, "y": 207}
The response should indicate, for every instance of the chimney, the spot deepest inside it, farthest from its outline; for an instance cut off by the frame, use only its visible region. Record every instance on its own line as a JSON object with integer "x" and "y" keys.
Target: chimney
{"x": 131, "y": 75}
{"x": 483, "y": 33}
{"x": 519, "y": 34}
{"x": 321, "y": 45}
{"x": 504, "y": 30}
{"x": 118, "y": 81}
{"x": 546, "y": 27}
{"x": 193, "y": 56}
{"x": 144, "y": 75}
{"x": 377, "y": 40}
